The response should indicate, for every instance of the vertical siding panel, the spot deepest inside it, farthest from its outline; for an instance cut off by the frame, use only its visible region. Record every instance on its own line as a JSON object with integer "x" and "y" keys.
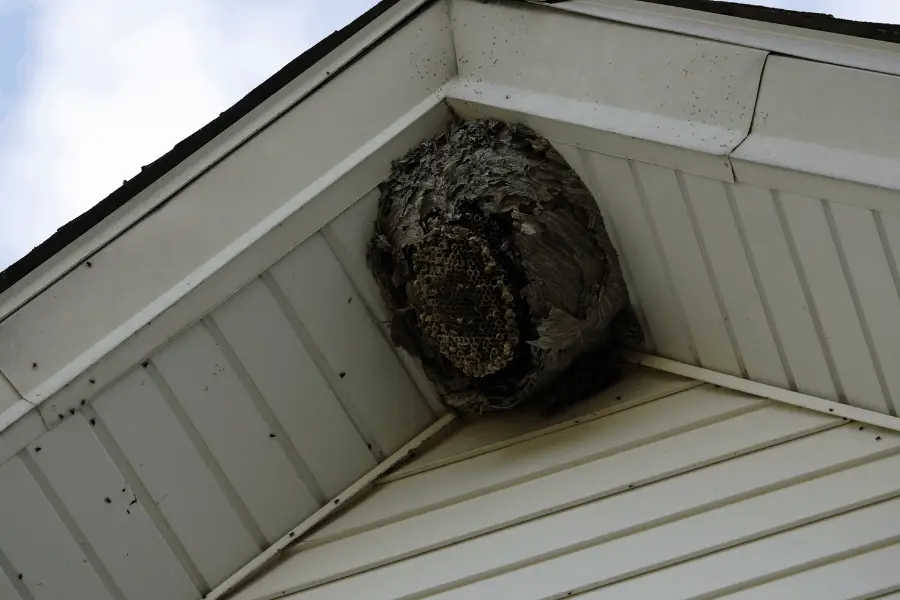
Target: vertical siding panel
{"x": 687, "y": 267}
{"x": 352, "y": 229}
{"x": 7, "y": 589}
{"x": 781, "y": 286}
{"x": 214, "y": 399}
{"x": 102, "y": 505}
{"x": 348, "y": 236}
{"x": 732, "y": 270}
{"x": 871, "y": 277}
{"x": 294, "y": 388}
{"x": 615, "y": 189}
{"x": 37, "y": 543}
{"x": 369, "y": 375}
{"x": 175, "y": 476}
{"x": 820, "y": 265}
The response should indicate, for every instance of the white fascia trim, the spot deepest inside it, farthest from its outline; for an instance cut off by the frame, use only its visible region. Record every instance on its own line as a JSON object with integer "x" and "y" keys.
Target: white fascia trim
{"x": 351, "y": 493}
{"x": 762, "y": 390}
{"x": 820, "y": 46}
{"x": 202, "y": 160}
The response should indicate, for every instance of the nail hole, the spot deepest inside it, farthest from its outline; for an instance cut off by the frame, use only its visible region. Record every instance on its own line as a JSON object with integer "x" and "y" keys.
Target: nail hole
{"x": 89, "y": 264}
{"x": 861, "y": 427}
{"x": 342, "y": 374}
{"x": 145, "y": 364}
{"x": 92, "y": 380}
{"x": 107, "y": 500}
{"x": 878, "y": 439}
{"x": 71, "y": 411}
{"x": 337, "y": 501}
{"x": 34, "y": 365}
{"x": 92, "y": 422}
{"x": 271, "y": 435}
{"x": 37, "y": 448}
{"x": 83, "y": 401}
{"x": 61, "y": 417}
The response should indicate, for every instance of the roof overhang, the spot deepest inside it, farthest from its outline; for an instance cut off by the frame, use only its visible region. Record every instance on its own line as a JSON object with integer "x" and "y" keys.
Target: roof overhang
{"x": 715, "y": 96}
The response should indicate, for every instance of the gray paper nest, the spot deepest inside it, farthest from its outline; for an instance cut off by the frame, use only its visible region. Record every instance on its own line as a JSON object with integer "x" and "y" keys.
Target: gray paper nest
{"x": 493, "y": 260}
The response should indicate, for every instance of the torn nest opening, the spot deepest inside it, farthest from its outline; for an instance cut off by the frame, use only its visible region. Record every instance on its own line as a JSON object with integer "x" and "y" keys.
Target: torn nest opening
{"x": 493, "y": 260}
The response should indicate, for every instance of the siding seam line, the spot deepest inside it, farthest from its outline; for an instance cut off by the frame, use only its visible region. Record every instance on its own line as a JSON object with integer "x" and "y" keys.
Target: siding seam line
{"x": 699, "y": 424}
{"x": 710, "y": 273}
{"x": 808, "y": 296}
{"x": 265, "y": 411}
{"x": 71, "y": 526}
{"x": 144, "y": 499}
{"x": 688, "y": 513}
{"x": 431, "y": 397}
{"x": 667, "y": 269}
{"x": 228, "y": 490}
{"x": 804, "y": 567}
{"x": 760, "y": 289}
{"x": 322, "y": 364}
{"x": 12, "y": 574}
{"x": 895, "y": 272}
{"x": 857, "y": 305}
{"x": 674, "y": 473}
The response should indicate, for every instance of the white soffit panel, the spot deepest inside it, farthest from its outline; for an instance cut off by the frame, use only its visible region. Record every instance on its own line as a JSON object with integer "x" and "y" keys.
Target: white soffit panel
{"x": 825, "y": 120}
{"x": 617, "y": 86}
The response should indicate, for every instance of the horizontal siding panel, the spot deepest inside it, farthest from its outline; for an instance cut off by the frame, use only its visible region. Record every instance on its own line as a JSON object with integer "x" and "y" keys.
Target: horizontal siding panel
{"x": 569, "y": 491}
{"x": 540, "y": 456}
{"x": 492, "y": 431}
{"x": 291, "y": 384}
{"x": 195, "y": 371}
{"x": 102, "y": 504}
{"x": 37, "y": 543}
{"x": 175, "y": 475}
{"x": 732, "y": 525}
{"x": 710, "y": 576}
{"x": 756, "y": 504}
{"x": 856, "y": 577}
{"x": 370, "y": 379}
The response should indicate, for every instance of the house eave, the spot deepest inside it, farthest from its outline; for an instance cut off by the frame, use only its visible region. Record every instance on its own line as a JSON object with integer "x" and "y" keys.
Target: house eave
{"x": 479, "y": 90}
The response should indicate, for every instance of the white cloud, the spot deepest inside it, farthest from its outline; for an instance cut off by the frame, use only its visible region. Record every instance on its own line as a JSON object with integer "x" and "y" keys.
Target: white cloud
{"x": 876, "y": 11}
{"x": 113, "y": 85}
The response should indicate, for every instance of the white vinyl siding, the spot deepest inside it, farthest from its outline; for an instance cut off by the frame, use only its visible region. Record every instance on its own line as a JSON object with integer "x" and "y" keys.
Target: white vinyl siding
{"x": 702, "y": 492}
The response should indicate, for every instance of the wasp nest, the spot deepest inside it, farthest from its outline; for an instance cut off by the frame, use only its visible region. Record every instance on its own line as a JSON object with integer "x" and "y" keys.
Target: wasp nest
{"x": 499, "y": 275}
{"x": 467, "y": 301}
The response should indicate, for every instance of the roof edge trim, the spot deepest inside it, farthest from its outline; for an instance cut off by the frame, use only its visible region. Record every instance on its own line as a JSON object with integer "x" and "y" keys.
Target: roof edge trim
{"x": 352, "y": 492}
{"x": 331, "y": 56}
{"x": 762, "y": 390}
{"x": 812, "y": 44}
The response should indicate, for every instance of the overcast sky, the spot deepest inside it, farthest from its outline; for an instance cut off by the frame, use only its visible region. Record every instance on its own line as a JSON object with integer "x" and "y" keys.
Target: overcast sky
{"x": 90, "y": 90}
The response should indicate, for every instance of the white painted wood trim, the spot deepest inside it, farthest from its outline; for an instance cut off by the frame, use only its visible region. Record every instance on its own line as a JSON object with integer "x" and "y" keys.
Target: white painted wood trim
{"x": 762, "y": 390}
{"x": 244, "y": 244}
{"x": 328, "y": 510}
{"x": 821, "y": 46}
{"x": 204, "y": 159}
